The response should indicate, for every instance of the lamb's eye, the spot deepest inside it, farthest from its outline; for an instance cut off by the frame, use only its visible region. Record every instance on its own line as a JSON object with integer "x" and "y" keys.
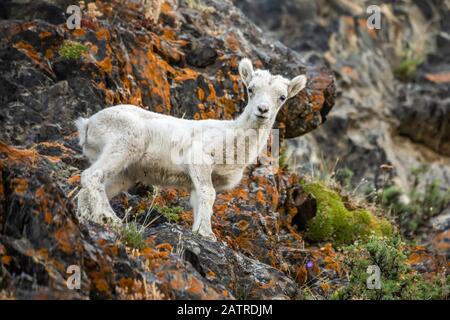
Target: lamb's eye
{"x": 282, "y": 98}
{"x": 250, "y": 90}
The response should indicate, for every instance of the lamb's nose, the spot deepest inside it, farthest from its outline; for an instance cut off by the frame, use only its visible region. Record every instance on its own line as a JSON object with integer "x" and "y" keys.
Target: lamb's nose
{"x": 263, "y": 109}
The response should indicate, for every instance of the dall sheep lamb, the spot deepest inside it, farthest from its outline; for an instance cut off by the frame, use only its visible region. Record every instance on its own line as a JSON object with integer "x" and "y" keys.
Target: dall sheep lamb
{"x": 127, "y": 144}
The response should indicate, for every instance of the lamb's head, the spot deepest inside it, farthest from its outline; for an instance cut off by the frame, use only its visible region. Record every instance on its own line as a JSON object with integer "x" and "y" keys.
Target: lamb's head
{"x": 267, "y": 92}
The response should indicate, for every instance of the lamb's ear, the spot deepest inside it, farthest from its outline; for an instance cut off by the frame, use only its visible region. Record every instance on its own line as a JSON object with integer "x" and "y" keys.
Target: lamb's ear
{"x": 246, "y": 70}
{"x": 296, "y": 85}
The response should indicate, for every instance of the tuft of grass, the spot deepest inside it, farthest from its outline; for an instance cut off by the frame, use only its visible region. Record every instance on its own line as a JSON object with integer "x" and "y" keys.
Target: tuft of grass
{"x": 334, "y": 222}
{"x": 72, "y": 50}
{"x": 398, "y": 280}
{"x": 132, "y": 235}
{"x": 172, "y": 214}
{"x": 344, "y": 177}
{"x": 407, "y": 67}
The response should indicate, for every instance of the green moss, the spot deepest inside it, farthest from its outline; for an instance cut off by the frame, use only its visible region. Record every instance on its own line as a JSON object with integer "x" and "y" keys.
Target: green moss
{"x": 336, "y": 223}
{"x": 71, "y": 50}
{"x": 172, "y": 214}
{"x": 131, "y": 235}
{"x": 397, "y": 279}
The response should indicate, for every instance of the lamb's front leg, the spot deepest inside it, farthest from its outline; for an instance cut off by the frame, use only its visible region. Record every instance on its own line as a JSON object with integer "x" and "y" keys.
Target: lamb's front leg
{"x": 203, "y": 200}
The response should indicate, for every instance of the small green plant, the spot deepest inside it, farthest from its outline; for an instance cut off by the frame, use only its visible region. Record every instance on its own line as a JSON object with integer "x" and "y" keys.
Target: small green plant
{"x": 397, "y": 279}
{"x": 132, "y": 235}
{"x": 335, "y": 222}
{"x": 172, "y": 214}
{"x": 282, "y": 160}
{"x": 72, "y": 50}
{"x": 407, "y": 67}
{"x": 344, "y": 177}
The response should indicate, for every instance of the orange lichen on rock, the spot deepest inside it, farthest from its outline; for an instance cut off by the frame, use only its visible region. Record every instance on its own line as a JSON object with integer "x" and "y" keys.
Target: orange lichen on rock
{"x": 260, "y": 197}
{"x": 48, "y": 217}
{"x": 79, "y": 32}
{"x": 443, "y": 77}
{"x": 105, "y": 65}
{"x": 31, "y": 53}
{"x": 64, "y": 240}
{"x": 15, "y": 154}
{"x": 195, "y": 286}
{"x": 301, "y": 275}
{"x": 101, "y": 285}
{"x": 110, "y": 95}
{"x": 154, "y": 75}
{"x": 201, "y": 94}
{"x": 442, "y": 241}
{"x": 186, "y": 74}
{"x": 165, "y": 247}
{"x": 233, "y": 42}
{"x": 40, "y": 192}
{"x": 6, "y": 260}
{"x": 28, "y": 49}
{"x": 103, "y": 34}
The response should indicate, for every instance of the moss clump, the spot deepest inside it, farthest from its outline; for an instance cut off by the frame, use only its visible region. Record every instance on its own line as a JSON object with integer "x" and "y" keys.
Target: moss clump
{"x": 172, "y": 214}
{"x": 71, "y": 50}
{"x": 131, "y": 235}
{"x": 397, "y": 279}
{"x": 337, "y": 223}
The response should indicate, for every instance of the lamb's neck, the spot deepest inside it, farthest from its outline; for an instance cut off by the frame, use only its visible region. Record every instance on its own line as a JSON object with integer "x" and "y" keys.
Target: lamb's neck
{"x": 246, "y": 122}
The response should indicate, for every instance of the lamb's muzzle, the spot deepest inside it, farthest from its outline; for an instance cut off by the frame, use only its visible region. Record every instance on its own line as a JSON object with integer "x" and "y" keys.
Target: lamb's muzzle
{"x": 127, "y": 144}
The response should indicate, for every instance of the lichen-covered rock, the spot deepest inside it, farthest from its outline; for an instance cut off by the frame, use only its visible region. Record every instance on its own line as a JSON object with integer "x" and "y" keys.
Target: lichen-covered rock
{"x": 246, "y": 278}
{"x": 181, "y": 62}
{"x": 185, "y": 65}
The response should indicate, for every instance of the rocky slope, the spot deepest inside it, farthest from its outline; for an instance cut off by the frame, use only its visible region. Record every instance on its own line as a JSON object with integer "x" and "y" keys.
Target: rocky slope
{"x": 181, "y": 62}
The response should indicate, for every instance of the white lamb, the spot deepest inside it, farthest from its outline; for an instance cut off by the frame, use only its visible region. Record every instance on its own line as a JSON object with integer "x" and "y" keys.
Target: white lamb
{"x": 127, "y": 144}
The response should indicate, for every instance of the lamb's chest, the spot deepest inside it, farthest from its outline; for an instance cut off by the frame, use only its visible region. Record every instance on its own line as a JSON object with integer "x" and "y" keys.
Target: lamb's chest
{"x": 226, "y": 179}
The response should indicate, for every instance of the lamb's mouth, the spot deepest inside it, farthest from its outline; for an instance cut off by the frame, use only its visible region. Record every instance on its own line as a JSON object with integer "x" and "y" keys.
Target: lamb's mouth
{"x": 261, "y": 117}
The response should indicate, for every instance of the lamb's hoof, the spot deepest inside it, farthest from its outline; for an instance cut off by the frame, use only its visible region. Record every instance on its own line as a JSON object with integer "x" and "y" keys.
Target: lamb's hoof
{"x": 112, "y": 221}
{"x": 107, "y": 218}
{"x": 208, "y": 235}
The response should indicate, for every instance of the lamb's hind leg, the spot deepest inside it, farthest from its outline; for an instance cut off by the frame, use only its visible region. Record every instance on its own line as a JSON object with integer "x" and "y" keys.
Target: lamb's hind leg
{"x": 93, "y": 200}
{"x": 115, "y": 185}
{"x": 94, "y": 204}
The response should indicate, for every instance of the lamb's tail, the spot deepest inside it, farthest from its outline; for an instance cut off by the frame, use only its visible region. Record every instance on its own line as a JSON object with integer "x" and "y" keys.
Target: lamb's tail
{"x": 82, "y": 126}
